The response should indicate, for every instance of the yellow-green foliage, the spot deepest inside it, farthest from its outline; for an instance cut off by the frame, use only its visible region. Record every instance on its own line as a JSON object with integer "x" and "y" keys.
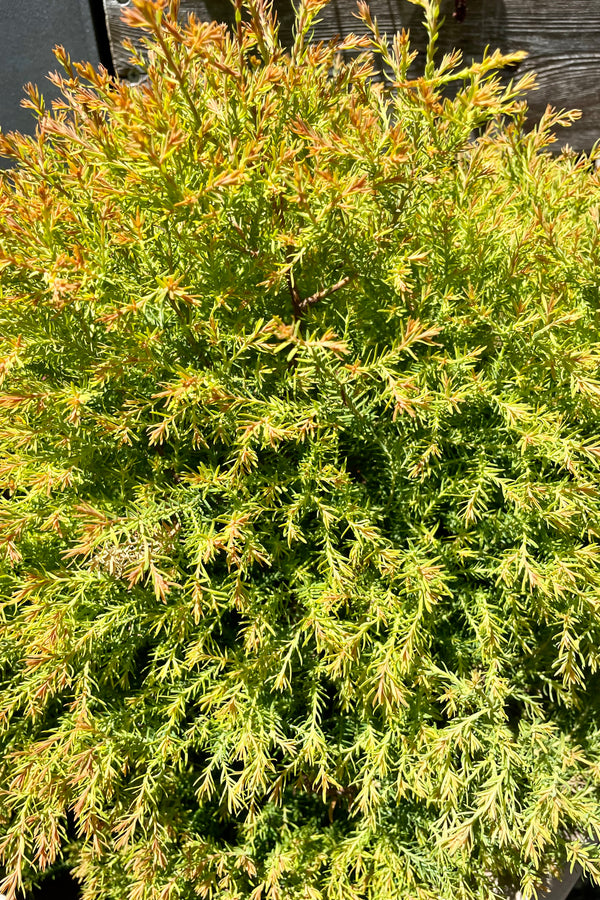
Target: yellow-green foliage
{"x": 299, "y": 458}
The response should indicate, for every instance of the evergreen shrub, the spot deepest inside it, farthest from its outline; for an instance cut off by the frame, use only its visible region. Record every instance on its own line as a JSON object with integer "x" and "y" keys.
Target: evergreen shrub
{"x": 299, "y": 458}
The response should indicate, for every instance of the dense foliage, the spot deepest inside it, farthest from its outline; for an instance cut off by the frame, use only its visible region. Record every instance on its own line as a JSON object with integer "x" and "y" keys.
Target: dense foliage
{"x": 299, "y": 459}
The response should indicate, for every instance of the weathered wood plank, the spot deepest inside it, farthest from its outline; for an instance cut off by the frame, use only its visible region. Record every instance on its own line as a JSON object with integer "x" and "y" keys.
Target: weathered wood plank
{"x": 562, "y": 40}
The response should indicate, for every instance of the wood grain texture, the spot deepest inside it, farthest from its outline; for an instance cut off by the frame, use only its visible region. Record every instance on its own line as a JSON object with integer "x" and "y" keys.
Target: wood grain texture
{"x": 562, "y": 39}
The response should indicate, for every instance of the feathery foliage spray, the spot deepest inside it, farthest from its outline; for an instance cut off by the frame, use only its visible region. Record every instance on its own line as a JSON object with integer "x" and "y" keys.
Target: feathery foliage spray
{"x": 299, "y": 457}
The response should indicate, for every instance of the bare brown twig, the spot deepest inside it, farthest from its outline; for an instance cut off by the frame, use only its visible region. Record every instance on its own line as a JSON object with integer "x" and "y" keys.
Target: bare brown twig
{"x": 326, "y": 292}
{"x": 297, "y": 301}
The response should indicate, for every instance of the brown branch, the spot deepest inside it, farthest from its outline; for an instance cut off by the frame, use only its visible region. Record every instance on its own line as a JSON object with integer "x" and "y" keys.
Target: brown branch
{"x": 300, "y": 305}
{"x": 297, "y": 301}
{"x": 277, "y": 204}
{"x": 326, "y": 292}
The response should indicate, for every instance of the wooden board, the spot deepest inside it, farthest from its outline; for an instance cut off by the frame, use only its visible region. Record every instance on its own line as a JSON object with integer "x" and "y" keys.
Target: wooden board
{"x": 562, "y": 39}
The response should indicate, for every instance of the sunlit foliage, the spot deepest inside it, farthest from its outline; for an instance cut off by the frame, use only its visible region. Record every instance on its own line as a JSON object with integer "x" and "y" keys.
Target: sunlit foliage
{"x": 299, "y": 457}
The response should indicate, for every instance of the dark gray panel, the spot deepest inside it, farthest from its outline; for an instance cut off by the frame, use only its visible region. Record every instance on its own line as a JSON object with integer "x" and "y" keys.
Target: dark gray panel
{"x": 29, "y": 29}
{"x": 561, "y": 37}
